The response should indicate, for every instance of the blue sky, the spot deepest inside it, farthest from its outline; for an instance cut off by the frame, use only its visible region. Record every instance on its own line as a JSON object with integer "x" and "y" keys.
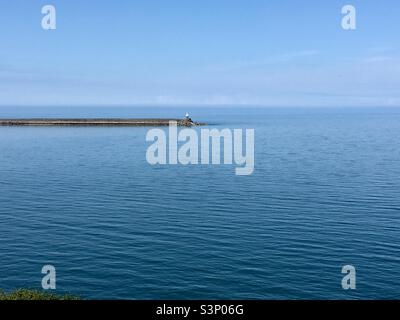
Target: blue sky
{"x": 219, "y": 52}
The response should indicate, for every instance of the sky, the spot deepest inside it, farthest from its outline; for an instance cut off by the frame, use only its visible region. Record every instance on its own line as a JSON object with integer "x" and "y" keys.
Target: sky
{"x": 200, "y": 52}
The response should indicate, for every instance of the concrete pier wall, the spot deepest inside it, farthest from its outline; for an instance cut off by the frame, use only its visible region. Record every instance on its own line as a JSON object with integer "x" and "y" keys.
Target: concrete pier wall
{"x": 95, "y": 122}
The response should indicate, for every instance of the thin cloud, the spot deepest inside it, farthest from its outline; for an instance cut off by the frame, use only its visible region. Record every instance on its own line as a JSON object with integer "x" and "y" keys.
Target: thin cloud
{"x": 377, "y": 59}
{"x": 272, "y": 60}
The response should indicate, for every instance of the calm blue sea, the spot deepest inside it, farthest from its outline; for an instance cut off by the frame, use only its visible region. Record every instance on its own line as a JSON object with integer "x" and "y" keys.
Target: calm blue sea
{"x": 325, "y": 193}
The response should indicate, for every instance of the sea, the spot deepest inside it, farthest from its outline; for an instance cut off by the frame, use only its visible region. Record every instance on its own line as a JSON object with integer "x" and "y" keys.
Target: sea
{"x": 324, "y": 194}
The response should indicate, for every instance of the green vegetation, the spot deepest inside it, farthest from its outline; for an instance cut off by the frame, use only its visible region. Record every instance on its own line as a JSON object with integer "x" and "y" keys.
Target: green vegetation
{"x": 26, "y": 294}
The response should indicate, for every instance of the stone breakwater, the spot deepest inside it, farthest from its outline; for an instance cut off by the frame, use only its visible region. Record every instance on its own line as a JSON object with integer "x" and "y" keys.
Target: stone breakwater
{"x": 187, "y": 122}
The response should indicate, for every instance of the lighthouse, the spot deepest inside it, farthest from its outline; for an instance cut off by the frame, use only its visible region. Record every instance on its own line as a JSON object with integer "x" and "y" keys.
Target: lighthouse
{"x": 187, "y": 121}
